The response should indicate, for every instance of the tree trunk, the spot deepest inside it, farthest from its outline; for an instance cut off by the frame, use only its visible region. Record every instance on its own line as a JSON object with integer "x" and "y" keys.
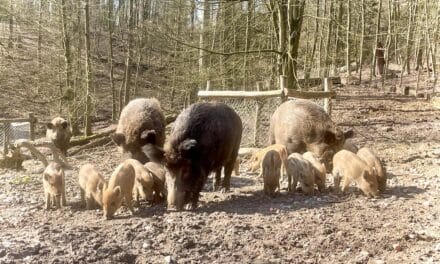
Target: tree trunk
{"x": 203, "y": 40}
{"x": 328, "y": 42}
{"x": 110, "y": 59}
{"x": 11, "y": 24}
{"x": 347, "y": 39}
{"x": 361, "y": 42}
{"x": 88, "y": 111}
{"x": 129, "y": 54}
{"x": 373, "y": 67}
{"x": 315, "y": 41}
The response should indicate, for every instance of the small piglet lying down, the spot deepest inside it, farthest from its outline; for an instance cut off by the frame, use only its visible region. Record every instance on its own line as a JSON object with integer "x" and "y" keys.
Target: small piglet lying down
{"x": 300, "y": 170}
{"x": 348, "y": 167}
{"x": 271, "y": 170}
{"x": 54, "y": 185}
{"x": 120, "y": 187}
{"x": 92, "y": 184}
{"x": 373, "y": 161}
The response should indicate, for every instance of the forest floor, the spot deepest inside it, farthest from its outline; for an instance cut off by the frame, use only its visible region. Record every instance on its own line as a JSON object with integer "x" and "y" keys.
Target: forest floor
{"x": 245, "y": 226}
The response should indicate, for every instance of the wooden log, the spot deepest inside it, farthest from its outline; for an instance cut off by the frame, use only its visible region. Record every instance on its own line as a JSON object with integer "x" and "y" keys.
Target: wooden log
{"x": 96, "y": 143}
{"x": 56, "y": 153}
{"x": 240, "y": 94}
{"x": 35, "y": 153}
{"x": 85, "y": 140}
{"x": 308, "y": 95}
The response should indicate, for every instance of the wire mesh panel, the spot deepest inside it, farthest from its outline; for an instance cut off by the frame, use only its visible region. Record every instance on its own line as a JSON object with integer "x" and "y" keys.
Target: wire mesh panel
{"x": 255, "y": 115}
{"x": 10, "y": 132}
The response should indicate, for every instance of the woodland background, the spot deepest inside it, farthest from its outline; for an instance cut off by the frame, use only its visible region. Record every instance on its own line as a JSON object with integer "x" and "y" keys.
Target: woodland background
{"x": 86, "y": 59}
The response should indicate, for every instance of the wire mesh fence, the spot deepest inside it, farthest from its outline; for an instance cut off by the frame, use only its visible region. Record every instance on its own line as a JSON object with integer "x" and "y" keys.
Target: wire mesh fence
{"x": 9, "y": 132}
{"x": 255, "y": 115}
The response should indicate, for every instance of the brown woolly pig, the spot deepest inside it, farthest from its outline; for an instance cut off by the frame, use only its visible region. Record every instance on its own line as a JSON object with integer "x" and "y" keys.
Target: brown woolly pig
{"x": 158, "y": 172}
{"x": 58, "y": 132}
{"x": 318, "y": 167}
{"x": 300, "y": 170}
{"x": 302, "y": 126}
{"x": 348, "y": 167}
{"x": 144, "y": 181}
{"x": 54, "y": 185}
{"x": 92, "y": 184}
{"x": 120, "y": 187}
{"x": 271, "y": 169}
{"x": 373, "y": 161}
{"x": 141, "y": 130}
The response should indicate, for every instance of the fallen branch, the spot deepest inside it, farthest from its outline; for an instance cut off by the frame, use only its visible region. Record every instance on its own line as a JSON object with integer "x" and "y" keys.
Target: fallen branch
{"x": 32, "y": 146}
{"x": 96, "y": 143}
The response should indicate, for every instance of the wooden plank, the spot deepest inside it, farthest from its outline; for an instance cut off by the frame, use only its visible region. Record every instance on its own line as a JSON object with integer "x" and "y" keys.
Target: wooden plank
{"x": 14, "y": 120}
{"x": 240, "y": 94}
{"x": 308, "y": 95}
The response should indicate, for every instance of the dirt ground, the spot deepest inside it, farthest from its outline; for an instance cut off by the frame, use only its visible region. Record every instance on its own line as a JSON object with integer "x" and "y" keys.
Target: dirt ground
{"x": 244, "y": 226}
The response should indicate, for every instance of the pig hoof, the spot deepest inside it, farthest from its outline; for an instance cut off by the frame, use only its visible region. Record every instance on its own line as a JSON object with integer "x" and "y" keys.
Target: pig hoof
{"x": 225, "y": 190}
{"x": 191, "y": 207}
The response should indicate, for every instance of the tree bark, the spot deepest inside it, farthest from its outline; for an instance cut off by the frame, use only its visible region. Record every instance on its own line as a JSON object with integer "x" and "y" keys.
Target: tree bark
{"x": 110, "y": 59}
{"x": 347, "y": 39}
{"x": 129, "y": 55}
{"x": 88, "y": 99}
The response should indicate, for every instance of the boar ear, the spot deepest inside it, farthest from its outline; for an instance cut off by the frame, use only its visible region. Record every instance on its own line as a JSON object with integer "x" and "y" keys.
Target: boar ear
{"x": 49, "y": 125}
{"x": 65, "y": 124}
{"x": 100, "y": 186}
{"x": 148, "y": 137}
{"x": 188, "y": 147}
{"x": 46, "y": 177}
{"x": 118, "y": 138}
{"x": 117, "y": 190}
{"x": 349, "y": 133}
{"x": 329, "y": 136}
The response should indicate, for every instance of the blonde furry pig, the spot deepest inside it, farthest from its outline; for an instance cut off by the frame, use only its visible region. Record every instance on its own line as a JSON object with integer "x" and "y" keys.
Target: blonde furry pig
{"x": 92, "y": 185}
{"x": 300, "y": 170}
{"x": 373, "y": 161}
{"x": 348, "y": 167}
{"x": 158, "y": 172}
{"x": 257, "y": 157}
{"x": 270, "y": 169}
{"x": 54, "y": 185}
{"x": 144, "y": 181}
{"x": 120, "y": 187}
{"x": 318, "y": 169}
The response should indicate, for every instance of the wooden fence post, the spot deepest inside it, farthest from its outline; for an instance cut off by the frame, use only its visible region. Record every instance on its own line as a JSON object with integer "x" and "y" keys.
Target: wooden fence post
{"x": 6, "y": 130}
{"x": 327, "y": 101}
{"x": 283, "y": 82}
{"x": 257, "y": 122}
{"x": 208, "y": 85}
{"x": 32, "y": 122}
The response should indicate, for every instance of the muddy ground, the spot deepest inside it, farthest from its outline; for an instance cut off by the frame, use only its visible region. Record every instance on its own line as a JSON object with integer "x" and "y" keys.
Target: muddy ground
{"x": 244, "y": 226}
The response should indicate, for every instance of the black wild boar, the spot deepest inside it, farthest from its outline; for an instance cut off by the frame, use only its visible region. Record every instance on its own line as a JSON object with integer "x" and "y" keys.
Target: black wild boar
{"x": 141, "y": 130}
{"x": 58, "y": 132}
{"x": 205, "y": 137}
{"x": 303, "y": 126}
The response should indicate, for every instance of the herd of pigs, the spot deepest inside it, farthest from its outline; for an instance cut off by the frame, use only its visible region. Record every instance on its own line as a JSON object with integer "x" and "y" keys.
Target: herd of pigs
{"x": 304, "y": 145}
